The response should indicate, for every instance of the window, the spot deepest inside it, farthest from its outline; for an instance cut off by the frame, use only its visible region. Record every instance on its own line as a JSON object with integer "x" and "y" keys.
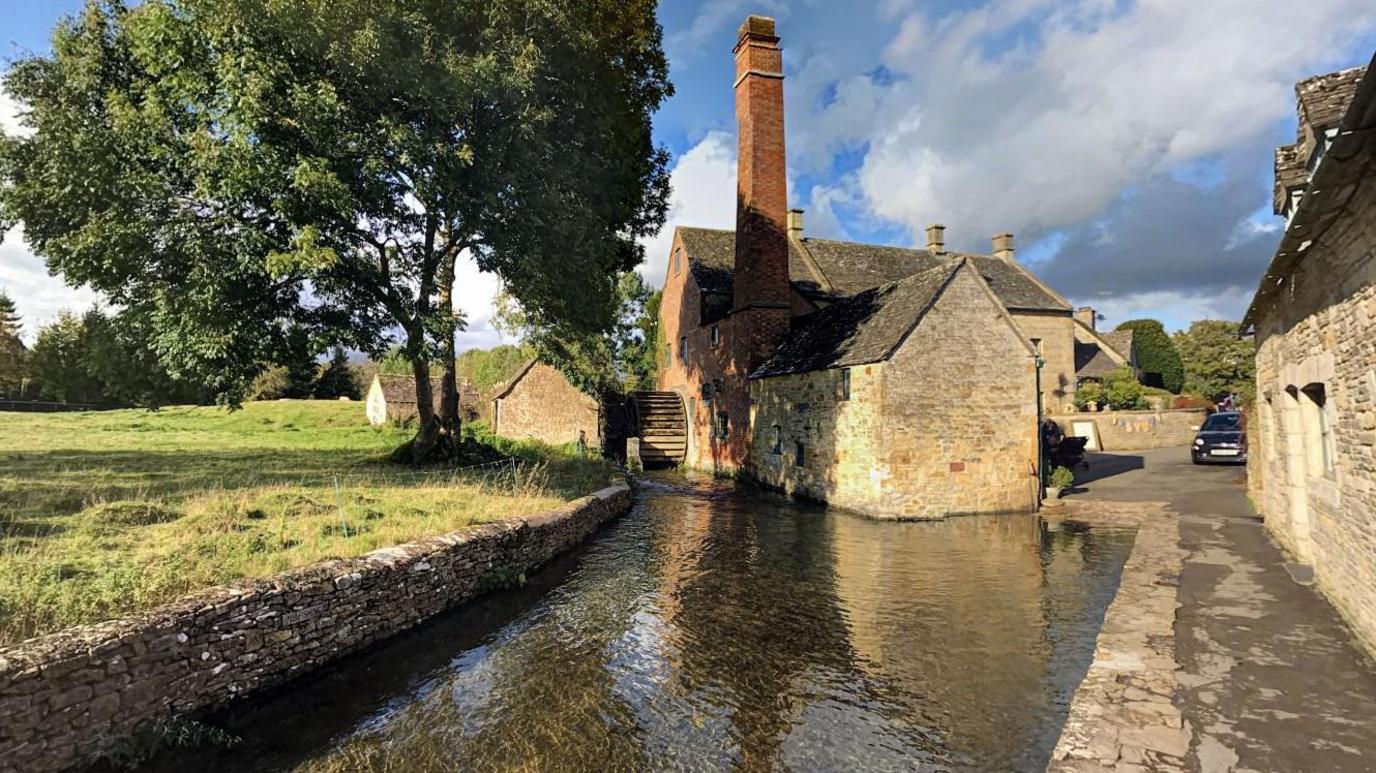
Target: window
{"x": 678, "y": 258}
{"x": 844, "y": 390}
{"x": 707, "y": 393}
{"x": 723, "y": 427}
{"x": 1322, "y": 447}
{"x": 776, "y": 446}
{"x": 799, "y": 454}
{"x": 668, "y": 355}
{"x": 1037, "y": 345}
{"x": 683, "y": 349}
{"x": 716, "y": 336}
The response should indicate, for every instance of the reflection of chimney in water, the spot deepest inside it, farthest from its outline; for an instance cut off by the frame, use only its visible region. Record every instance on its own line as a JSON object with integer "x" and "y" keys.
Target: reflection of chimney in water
{"x": 761, "y": 276}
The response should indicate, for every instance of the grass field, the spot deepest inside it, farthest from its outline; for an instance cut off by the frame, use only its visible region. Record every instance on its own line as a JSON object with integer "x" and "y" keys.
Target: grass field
{"x": 102, "y": 514}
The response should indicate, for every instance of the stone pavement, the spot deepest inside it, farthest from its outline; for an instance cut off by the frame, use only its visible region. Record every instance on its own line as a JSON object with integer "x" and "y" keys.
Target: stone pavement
{"x": 1267, "y": 676}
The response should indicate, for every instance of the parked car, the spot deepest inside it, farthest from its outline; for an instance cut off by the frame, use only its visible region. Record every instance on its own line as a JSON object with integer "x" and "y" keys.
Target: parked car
{"x": 1222, "y": 438}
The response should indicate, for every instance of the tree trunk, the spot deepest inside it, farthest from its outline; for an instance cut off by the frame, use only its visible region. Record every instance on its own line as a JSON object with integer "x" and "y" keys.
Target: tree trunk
{"x": 449, "y": 419}
{"x": 428, "y": 434}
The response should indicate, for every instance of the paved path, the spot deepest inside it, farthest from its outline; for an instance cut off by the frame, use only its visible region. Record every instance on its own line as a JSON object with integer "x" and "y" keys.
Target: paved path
{"x": 1268, "y": 676}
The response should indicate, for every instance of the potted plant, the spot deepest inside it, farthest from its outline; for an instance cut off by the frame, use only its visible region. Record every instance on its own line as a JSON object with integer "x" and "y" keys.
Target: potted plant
{"x": 1057, "y": 482}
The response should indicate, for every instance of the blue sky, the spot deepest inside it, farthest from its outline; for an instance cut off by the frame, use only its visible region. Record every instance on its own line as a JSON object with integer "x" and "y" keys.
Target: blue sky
{"x": 1127, "y": 143}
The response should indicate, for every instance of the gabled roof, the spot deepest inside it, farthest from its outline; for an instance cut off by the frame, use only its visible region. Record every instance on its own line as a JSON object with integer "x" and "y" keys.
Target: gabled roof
{"x": 1120, "y": 340}
{"x": 834, "y": 269}
{"x": 504, "y": 389}
{"x": 867, "y": 327}
{"x": 1092, "y": 361}
{"x": 401, "y": 390}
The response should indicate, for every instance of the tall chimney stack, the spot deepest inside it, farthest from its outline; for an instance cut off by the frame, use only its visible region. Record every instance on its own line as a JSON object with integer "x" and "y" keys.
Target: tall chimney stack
{"x": 795, "y": 224}
{"x": 1003, "y": 247}
{"x": 761, "y": 276}
{"x": 936, "y": 239}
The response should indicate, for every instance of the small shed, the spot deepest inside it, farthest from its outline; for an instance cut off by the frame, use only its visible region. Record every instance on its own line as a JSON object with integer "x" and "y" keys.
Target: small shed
{"x": 393, "y": 398}
{"x": 539, "y": 403}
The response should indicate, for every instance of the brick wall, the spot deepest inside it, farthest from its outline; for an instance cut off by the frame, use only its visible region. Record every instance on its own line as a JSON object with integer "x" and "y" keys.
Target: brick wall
{"x": 1056, "y": 330}
{"x": 544, "y": 406}
{"x": 946, "y": 426}
{"x": 65, "y": 696}
{"x": 1137, "y": 430}
{"x": 1324, "y": 333}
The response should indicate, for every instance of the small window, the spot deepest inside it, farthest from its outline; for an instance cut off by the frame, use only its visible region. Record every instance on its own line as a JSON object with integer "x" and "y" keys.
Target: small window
{"x": 1037, "y": 345}
{"x": 845, "y": 384}
{"x": 799, "y": 454}
{"x": 678, "y": 260}
{"x": 683, "y": 349}
{"x": 723, "y": 427}
{"x": 777, "y": 443}
{"x": 707, "y": 393}
{"x": 668, "y": 355}
{"x": 1318, "y": 408}
{"x": 716, "y": 336}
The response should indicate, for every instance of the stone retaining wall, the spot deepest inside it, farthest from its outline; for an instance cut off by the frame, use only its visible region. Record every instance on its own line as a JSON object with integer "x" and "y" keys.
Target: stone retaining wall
{"x": 1138, "y": 430}
{"x": 68, "y": 696}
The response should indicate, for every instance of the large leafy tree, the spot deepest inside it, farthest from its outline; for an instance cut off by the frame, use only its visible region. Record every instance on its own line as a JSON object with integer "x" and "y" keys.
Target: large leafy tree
{"x": 1217, "y": 361}
{"x": 237, "y": 168}
{"x": 13, "y": 354}
{"x": 1156, "y": 355}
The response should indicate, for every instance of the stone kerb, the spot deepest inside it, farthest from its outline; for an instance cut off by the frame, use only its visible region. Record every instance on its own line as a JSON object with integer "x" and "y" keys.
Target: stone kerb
{"x": 68, "y": 696}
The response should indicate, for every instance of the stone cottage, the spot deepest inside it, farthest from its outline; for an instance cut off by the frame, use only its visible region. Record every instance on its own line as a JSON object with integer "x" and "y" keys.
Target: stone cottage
{"x": 539, "y": 403}
{"x": 1098, "y": 353}
{"x": 1312, "y": 461}
{"x": 393, "y": 398}
{"x": 758, "y": 317}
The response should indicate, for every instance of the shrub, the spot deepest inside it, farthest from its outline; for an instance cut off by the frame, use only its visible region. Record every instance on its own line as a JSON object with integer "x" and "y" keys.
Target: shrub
{"x": 1089, "y": 392}
{"x": 271, "y": 384}
{"x": 1124, "y": 391}
{"x": 1061, "y": 478}
{"x": 1156, "y": 355}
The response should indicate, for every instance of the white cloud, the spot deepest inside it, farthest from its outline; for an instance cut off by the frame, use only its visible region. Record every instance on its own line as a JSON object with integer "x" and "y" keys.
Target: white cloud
{"x": 38, "y": 296}
{"x": 1027, "y": 115}
{"x": 475, "y": 293}
{"x": 9, "y": 116}
{"x": 704, "y": 195}
{"x": 1174, "y": 309}
{"x": 714, "y": 17}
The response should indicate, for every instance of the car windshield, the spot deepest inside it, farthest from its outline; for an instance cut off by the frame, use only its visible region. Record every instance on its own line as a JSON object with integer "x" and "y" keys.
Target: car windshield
{"x": 1222, "y": 422}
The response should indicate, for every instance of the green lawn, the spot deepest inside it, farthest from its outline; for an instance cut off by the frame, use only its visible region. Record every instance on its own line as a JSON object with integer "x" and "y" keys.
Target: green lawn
{"x": 105, "y": 513}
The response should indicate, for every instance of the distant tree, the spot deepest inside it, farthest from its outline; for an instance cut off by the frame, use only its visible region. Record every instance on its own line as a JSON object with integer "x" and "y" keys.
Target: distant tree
{"x": 1218, "y": 362}
{"x": 300, "y": 360}
{"x": 1157, "y": 357}
{"x": 270, "y": 384}
{"x": 59, "y": 362}
{"x": 336, "y": 378}
{"x": 486, "y": 368}
{"x": 120, "y": 356}
{"x": 13, "y": 353}
{"x": 638, "y": 351}
{"x": 238, "y": 167}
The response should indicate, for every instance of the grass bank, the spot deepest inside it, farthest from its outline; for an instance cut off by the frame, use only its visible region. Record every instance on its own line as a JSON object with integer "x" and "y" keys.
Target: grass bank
{"x": 102, "y": 514}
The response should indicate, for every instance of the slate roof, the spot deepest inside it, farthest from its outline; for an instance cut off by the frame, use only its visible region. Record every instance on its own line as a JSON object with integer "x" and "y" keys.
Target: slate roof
{"x": 865, "y": 328}
{"x": 1335, "y": 182}
{"x": 850, "y": 267}
{"x": 401, "y": 390}
{"x": 1091, "y": 361}
{"x": 1321, "y": 102}
{"x": 1120, "y": 340}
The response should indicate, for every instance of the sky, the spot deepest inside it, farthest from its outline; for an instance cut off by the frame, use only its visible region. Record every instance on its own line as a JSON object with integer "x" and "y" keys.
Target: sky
{"x": 1126, "y": 143}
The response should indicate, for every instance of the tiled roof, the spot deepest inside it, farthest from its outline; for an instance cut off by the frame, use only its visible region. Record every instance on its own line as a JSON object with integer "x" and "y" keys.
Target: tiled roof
{"x": 1323, "y": 99}
{"x": 1091, "y": 361}
{"x": 1120, "y": 340}
{"x": 851, "y": 267}
{"x": 864, "y": 328}
{"x": 401, "y": 390}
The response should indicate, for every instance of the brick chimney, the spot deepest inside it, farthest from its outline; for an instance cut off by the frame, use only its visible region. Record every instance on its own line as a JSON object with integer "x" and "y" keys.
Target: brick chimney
{"x": 936, "y": 239}
{"x": 1003, "y": 247}
{"x": 761, "y": 286}
{"x": 1087, "y": 315}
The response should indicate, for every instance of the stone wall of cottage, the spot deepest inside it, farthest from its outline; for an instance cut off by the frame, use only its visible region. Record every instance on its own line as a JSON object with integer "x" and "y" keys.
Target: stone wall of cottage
{"x": 1056, "y": 333}
{"x": 946, "y": 426}
{"x": 1323, "y": 333}
{"x": 544, "y": 406}
{"x": 68, "y": 696}
{"x": 1137, "y": 430}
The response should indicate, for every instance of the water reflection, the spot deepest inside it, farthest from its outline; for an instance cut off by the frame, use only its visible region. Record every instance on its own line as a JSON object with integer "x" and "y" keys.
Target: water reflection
{"x": 721, "y": 628}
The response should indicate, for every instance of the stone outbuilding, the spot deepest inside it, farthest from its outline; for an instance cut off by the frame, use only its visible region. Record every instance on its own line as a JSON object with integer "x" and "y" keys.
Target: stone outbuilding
{"x": 1312, "y": 455}
{"x": 1099, "y": 353}
{"x": 539, "y": 403}
{"x": 393, "y": 398}
{"x": 915, "y": 399}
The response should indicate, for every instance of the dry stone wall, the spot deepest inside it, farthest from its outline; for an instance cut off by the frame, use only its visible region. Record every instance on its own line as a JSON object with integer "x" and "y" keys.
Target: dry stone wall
{"x": 68, "y": 696}
{"x": 1138, "y": 430}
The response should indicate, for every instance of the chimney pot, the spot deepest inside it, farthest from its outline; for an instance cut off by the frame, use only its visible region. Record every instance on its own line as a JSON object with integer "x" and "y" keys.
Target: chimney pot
{"x": 795, "y": 223}
{"x": 1003, "y": 247}
{"x": 936, "y": 239}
